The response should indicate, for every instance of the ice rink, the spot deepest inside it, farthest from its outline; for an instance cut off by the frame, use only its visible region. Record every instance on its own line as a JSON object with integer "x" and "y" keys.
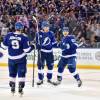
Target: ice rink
{"x": 68, "y": 90}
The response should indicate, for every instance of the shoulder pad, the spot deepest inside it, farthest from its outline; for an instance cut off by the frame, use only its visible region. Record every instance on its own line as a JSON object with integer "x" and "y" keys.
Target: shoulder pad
{"x": 10, "y": 33}
{"x": 72, "y": 36}
{"x": 24, "y": 34}
{"x": 51, "y": 32}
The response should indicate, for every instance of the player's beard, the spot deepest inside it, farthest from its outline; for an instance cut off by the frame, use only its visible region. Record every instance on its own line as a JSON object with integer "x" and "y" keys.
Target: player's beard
{"x": 45, "y": 30}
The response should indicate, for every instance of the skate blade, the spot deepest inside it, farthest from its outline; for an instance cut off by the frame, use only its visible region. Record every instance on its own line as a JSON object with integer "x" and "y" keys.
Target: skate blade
{"x": 51, "y": 83}
{"x": 21, "y": 95}
{"x": 38, "y": 86}
{"x": 13, "y": 93}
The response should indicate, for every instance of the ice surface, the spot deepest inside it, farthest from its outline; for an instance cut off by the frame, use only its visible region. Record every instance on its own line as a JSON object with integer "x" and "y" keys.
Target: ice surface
{"x": 68, "y": 90}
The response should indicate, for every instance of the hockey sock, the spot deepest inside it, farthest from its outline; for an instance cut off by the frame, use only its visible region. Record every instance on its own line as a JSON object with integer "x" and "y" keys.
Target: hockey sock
{"x": 21, "y": 84}
{"x": 12, "y": 84}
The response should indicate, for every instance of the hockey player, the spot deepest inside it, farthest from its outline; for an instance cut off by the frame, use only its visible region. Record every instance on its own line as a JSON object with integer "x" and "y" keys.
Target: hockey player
{"x": 68, "y": 46}
{"x": 18, "y": 45}
{"x": 45, "y": 42}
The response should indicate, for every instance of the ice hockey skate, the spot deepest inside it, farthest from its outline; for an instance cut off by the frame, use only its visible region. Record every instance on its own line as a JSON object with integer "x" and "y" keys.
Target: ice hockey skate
{"x": 20, "y": 91}
{"x": 79, "y": 83}
{"x": 40, "y": 82}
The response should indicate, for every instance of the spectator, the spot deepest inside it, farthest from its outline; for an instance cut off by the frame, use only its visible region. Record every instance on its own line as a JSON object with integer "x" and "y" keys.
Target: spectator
{"x": 81, "y": 16}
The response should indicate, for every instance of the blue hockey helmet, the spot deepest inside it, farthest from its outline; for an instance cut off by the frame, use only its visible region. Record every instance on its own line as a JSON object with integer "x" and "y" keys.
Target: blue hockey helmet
{"x": 65, "y": 29}
{"x": 19, "y": 26}
{"x": 45, "y": 24}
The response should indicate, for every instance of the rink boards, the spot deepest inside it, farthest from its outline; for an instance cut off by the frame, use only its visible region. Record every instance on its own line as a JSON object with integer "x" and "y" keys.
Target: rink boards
{"x": 86, "y": 58}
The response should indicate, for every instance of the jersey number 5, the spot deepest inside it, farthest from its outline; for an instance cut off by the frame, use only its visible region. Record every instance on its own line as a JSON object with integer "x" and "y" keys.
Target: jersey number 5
{"x": 15, "y": 44}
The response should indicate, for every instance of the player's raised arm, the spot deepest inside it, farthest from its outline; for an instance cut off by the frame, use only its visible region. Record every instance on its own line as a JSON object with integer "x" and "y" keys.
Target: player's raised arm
{"x": 4, "y": 44}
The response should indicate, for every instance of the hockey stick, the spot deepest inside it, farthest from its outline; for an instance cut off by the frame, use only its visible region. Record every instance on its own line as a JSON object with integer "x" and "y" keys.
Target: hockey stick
{"x": 39, "y": 52}
{"x": 34, "y": 18}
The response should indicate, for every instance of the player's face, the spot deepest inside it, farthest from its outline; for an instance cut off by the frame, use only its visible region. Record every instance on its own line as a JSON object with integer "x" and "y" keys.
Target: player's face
{"x": 46, "y": 29}
{"x": 19, "y": 31}
{"x": 65, "y": 33}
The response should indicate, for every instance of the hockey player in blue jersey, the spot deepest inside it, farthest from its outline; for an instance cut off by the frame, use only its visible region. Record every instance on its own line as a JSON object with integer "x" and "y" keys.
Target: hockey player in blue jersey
{"x": 68, "y": 46}
{"x": 18, "y": 45}
{"x": 45, "y": 42}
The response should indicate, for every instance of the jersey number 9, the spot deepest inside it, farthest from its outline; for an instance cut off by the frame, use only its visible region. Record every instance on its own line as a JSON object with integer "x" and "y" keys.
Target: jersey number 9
{"x": 15, "y": 44}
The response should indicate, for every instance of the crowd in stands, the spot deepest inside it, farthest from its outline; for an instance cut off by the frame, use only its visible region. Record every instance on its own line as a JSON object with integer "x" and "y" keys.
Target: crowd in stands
{"x": 81, "y": 16}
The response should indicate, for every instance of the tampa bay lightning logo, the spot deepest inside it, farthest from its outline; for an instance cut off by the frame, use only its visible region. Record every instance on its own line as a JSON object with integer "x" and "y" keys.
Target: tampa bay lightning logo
{"x": 46, "y": 41}
{"x": 1, "y": 54}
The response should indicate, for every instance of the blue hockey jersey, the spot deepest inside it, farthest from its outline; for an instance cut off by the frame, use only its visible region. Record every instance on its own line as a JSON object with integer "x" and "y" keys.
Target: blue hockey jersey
{"x": 17, "y": 44}
{"x": 46, "y": 40}
{"x": 68, "y": 46}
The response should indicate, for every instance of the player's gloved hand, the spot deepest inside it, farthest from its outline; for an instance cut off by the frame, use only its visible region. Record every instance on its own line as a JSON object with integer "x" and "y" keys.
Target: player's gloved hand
{"x": 2, "y": 47}
{"x": 58, "y": 45}
{"x": 32, "y": 42}
{"x": 32, "y": 46}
